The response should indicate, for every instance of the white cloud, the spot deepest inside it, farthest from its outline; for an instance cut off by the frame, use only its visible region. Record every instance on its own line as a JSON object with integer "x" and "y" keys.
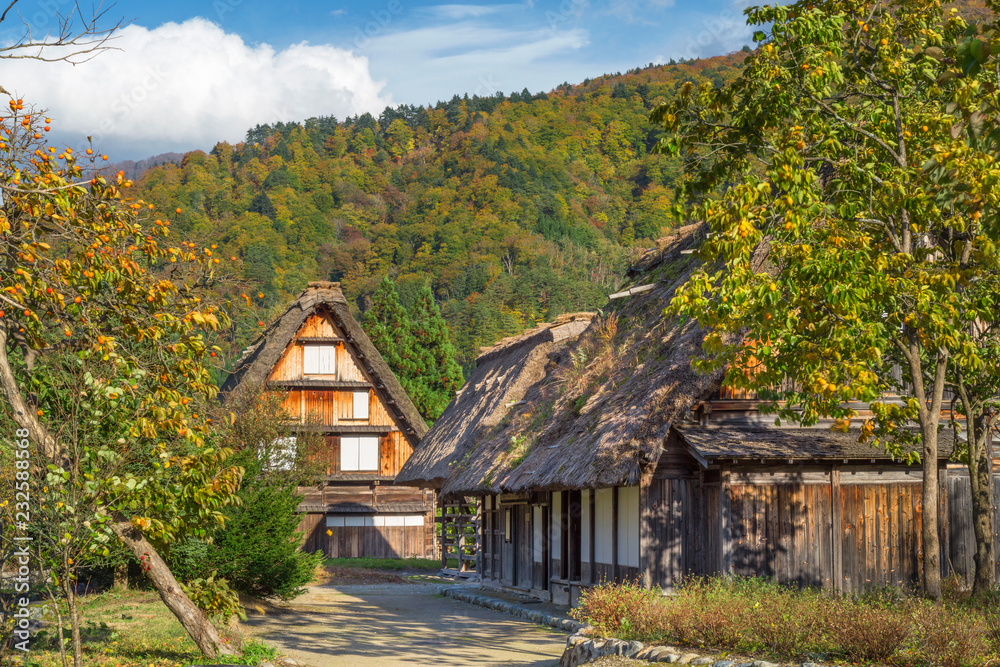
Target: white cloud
{"x": 464, "y": 11}
{"x": 187, "y": 85}
{"x": 435, "y": 62}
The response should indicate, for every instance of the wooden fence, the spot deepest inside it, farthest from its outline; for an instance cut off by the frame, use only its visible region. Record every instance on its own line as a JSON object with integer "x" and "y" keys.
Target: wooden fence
{"x": 962, "y": 546}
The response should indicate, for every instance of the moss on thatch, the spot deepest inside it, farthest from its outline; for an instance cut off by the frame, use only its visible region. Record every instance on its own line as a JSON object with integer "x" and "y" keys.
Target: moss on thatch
{"x": 482, "y": 407}
{"x": 610, "y": 400}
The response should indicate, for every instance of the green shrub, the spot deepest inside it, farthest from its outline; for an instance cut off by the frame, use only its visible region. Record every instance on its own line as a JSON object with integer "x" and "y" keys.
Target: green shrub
{"x": 880, "y": 627}
{"x": 257, "y": 550}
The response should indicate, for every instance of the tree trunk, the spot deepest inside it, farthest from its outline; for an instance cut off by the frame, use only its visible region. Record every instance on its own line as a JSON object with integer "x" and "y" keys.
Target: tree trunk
{"x": 929, "y": 529}
{"x": 929, "y": 413}
{"x": 69, "y": 587}
{"x": 982, "y": 502}
{"x": 59, "y": 624}
{"x": 191, "y": 617}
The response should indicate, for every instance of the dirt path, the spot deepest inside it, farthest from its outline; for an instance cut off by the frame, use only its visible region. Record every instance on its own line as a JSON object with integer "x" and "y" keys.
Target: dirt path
{"x": 402, "y": 624}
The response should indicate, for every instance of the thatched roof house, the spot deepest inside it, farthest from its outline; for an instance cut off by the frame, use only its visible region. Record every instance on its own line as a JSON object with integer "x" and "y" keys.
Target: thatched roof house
{"x": 604, "y": 412}
{"x": 615, "y": 459}
{"x": 254, "y": 366}
{"x": 335, "y": 383}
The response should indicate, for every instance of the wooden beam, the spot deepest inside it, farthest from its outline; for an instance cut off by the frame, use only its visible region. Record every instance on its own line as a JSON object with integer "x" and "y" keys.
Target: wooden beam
{"x": 837, "y": 528}
{"x": 593, "y": 537}
{"x": 614, "y": 533}
{"x": 726, "y": 516}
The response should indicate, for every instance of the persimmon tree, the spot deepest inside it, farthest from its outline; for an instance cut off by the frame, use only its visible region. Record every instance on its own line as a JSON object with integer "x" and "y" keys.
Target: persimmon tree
{"x": 856, "y": 148}
{"x": 104, "y": 358}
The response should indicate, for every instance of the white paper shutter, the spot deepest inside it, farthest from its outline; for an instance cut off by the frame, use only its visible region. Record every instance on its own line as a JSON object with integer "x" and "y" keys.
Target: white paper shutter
{"x": 368, "y": 454}
{"x": 361, "y": 405}
{"x": 348, "y": 453}
{"x": 328, "y": 360}
{"x": 310, "y": 360}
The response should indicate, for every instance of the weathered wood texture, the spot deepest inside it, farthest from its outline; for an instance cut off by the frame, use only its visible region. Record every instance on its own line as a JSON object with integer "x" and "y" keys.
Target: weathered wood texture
{"x": 963, "y": 538}
{"x": 368, "y": 541}
{"x": 782, "y": 531}
{"x": 860, "y": 530}
{"x": 673, "y": 531}
{"x": 377, "y": 542}
{"x": 328, "y": 407}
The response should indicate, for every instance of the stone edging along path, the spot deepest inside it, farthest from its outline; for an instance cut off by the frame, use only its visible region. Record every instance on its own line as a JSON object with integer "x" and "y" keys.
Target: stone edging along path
{"x": 581, "y": 648}
{"x": 533, "y": 615}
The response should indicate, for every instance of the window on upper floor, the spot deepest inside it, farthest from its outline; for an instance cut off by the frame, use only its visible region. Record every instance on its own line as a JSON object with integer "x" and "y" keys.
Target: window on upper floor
{"x": 358, "y": 453}
{"x": 319, "y": 360}
{"x": 360, "y": 405}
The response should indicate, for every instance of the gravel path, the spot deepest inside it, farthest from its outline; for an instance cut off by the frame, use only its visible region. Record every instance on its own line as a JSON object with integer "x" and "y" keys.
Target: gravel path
{"x": 386, "y": 625}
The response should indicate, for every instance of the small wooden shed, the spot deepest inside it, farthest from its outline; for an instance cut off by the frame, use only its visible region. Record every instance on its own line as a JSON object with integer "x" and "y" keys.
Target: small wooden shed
{"x": 620, "y": 461}
{"x": 335, "y": 382}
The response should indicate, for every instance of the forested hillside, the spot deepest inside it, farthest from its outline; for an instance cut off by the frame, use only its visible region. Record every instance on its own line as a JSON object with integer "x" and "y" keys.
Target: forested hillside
{"x": 513, "y": 208}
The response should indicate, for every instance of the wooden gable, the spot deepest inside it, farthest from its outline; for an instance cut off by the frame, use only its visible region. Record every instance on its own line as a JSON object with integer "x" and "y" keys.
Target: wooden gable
{"x": 337, "y": 396}
{"x": 328, "y": 398}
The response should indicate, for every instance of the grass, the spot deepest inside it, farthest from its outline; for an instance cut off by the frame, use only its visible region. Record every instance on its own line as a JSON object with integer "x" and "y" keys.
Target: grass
{"x": 393, "y": 564}
{"x": 755, "y": 616}
{"x": 131, "y": 629}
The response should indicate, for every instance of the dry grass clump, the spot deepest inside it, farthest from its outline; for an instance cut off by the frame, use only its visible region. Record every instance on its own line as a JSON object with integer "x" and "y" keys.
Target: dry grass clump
{"x": 758, "y": 616}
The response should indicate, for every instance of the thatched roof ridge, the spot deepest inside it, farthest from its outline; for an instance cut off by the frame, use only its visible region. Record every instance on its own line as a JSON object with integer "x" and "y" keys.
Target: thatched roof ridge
{"x": 504, "y": 372}
{"x": 259, "y": 358}
{"x": 606, "y": 410}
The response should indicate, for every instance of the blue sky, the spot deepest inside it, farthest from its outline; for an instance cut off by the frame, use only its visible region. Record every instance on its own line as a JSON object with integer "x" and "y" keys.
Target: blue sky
{"x": 189, "y": 73}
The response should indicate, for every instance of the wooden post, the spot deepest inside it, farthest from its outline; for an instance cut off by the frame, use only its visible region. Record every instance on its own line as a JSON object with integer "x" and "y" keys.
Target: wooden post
{"x": 593, "y": 537}
{"x": 726, "y": 512}
{"x": 480, "y": 535}
{"x": 943, "y": 527}
{"x": 614, "y": 533}
{"x": 444, "y": 532}
{"x": 837, "y": 528}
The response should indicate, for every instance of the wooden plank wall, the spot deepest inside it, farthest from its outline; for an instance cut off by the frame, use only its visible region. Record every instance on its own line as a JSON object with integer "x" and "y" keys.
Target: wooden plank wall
{"x": 963, "y": 537}
{"x": 859, "y": 529}
{"x": 673, "y": 531}
{"x": 881, "y": 534}
{"x": 782, "y": 531}
{"x": 394, "y": 450}
{"x": 376, "y": 542}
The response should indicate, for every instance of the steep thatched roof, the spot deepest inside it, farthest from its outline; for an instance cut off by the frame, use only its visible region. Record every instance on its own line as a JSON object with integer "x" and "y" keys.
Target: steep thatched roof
{"x": 257, "y": 361}
{"x": 503, "y": 374}
{"x": 793, "y": 444}
{"x": 605, "y": 411}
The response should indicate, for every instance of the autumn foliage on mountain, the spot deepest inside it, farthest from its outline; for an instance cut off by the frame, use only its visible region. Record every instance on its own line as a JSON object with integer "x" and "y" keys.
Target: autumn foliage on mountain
{"x": 513, "y": 208}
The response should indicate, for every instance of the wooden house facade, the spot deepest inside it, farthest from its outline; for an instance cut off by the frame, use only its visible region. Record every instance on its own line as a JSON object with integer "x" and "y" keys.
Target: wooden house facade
{"x": 620, "y": 462}
{"x": 335, "y": 384}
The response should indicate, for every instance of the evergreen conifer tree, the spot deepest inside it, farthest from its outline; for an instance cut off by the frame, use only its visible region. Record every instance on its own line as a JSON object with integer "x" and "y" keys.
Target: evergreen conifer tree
{"x": 388, "y": 326}
{"x": 439, "y": 375}
{"x": 417, "y": 347}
